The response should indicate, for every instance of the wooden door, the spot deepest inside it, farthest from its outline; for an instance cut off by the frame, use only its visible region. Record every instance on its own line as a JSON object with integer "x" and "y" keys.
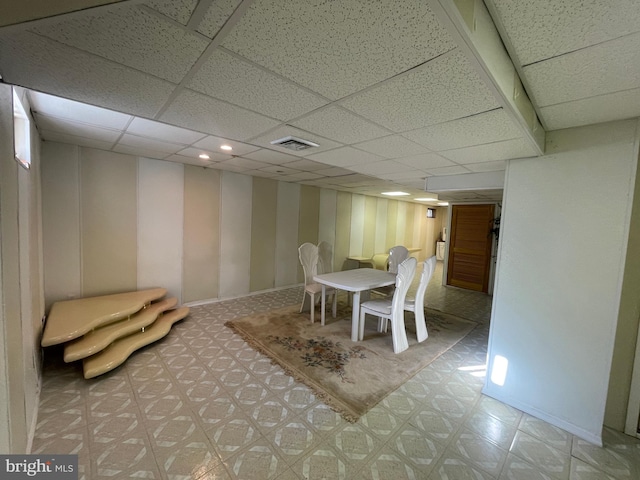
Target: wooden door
{"x": 470, "y": 243}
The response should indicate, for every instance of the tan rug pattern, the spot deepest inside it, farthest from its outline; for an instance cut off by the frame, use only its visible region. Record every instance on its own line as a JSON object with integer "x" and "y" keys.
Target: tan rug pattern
{"x": 350, "y": 377}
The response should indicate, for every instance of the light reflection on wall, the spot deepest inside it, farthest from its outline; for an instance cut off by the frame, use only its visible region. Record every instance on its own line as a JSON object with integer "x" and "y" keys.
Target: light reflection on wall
{"x": 499, "y": 370}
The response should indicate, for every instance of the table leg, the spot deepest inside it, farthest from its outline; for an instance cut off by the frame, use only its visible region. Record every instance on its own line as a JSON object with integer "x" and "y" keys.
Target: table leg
{"x": 355, "y": 317}
{"x": 322, "y": 303}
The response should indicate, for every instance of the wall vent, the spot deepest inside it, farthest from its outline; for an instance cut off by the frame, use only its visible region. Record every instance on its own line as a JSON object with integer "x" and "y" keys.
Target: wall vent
{"x": 294, "y": 143}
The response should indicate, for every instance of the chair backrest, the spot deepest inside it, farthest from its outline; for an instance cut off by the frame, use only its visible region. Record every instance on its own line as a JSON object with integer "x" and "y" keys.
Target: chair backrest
{"x": 325, "y": 257}
{"x": 308, "y": 254}
{"x": 428, "y": 267}
{"x": 406, "y": 272}
{"x": 397, "y": 255}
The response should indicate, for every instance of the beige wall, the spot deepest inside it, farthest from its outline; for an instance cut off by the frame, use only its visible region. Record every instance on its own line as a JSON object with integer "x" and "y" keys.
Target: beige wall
{"x": 21, "y": 300}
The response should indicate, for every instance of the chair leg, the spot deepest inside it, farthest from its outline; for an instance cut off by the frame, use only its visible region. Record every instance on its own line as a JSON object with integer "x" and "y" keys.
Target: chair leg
{"x": 313, "y": 306}
{"x": 361, "y": 325}
{"x": 421, "y": 326}
{"x": 335, "y": 303}
{"x": 304, "y": 297}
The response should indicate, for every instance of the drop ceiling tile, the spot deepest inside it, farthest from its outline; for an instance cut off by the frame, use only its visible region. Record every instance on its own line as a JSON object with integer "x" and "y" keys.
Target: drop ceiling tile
{"x": 229, "y": 167}
{"x": 162, "y": 131}
{"x": 340, "y": 125}
{"x": 379, "y": 168}
{"x": 233, "y": 80}
{"x": 455, "y": 170}
{"x": 485, "y": 127}
{"x": 588, "y": 111}
{"x": 279, "y": 169}
{"x": 131, "y": 36}
{"x": 262, "y": 173}
{"x": 178, "y": 10}
{"x": 40, "y": 64}
{"x": 540, "y": 29}
{"x": 368, "y": 41}
{"x": 334, "y": 172}
{"x": 201, "y": 113}
{"x": 62, "y": 108}
{"x": 405, "y": 175}
{"x": 214, "y": 156}
{"x": 487, "y": 166}
{"x": 605, "y": 68}
{"x": 392, "y": 146}
{"x": 297, "y": 177}
{"x": 140, "y": 152}
{"x": 150, "y": 144}
{"x": 443, "y": 89}
{"x": 213, "y": 143}
{"x": 77, "y": 129}
{"x": 287, "y": 130}
{"x": 49, "y": 136}
{"x": 306, "y": 165}
{"x": 245, "y": 163}
{"x": 198, "y": 162}
{"x": 506, "y": 150}
{"x": 344, "y": 157}
{"x": 424, "y": 161}
{"x": 216, "y": 16}
{"x": 271, "y": 156}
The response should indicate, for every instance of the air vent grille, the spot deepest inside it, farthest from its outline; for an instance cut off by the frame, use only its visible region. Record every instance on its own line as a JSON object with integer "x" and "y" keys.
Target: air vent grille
{"x": 294, "y": 143}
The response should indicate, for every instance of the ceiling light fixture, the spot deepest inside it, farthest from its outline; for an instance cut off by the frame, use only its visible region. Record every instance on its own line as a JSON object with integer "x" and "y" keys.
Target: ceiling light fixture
{"x": 226, "y": 147}
{"x": 395, "y": 194}
{"x": 443, "y": 204}
{"x": 203, "y": 156}
{"x": 426, "y": 199}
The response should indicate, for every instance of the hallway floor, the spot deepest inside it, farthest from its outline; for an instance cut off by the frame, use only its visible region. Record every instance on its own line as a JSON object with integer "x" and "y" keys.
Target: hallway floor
{"x": 201, "y": 404}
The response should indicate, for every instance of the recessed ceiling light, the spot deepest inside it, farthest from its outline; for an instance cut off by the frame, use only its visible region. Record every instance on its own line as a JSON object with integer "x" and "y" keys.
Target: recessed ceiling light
{"x": 395, "y": 194}
{"x": 203, "y": 156}
{"x": 443, "y": 204}
{"x": 426, "y": 199}
{"x": 226, "y": 147}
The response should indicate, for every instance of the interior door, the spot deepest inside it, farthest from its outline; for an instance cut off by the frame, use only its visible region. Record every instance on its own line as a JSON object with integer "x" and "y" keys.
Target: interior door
{"x": 470, "y": 244}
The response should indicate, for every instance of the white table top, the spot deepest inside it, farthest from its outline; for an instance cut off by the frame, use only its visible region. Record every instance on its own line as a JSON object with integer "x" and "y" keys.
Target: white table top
{"x": 357, "y": 280}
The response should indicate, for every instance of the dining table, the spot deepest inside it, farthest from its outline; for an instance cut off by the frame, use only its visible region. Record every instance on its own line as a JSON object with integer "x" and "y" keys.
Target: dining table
{"x": 357, "y": 281}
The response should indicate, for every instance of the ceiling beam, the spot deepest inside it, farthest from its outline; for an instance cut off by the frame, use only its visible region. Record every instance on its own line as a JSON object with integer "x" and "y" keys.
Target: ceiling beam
{"x": 473, "y": 29}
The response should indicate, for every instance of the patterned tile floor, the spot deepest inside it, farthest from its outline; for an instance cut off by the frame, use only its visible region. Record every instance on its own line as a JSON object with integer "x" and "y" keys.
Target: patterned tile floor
{"x": 201, "y": 404}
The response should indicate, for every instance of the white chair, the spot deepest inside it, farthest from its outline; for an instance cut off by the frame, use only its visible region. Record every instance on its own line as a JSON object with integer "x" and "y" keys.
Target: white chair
{"x": 397, "y": 255}
{"x": 308, "y": 254}
{"x": 325, "y": 257}
{"x": 392, "y": 308}
{"x": 416, "y": 305}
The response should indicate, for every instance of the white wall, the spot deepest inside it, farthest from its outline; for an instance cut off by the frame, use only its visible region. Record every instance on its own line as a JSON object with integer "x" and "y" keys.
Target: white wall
{"x": 562, "y": 249}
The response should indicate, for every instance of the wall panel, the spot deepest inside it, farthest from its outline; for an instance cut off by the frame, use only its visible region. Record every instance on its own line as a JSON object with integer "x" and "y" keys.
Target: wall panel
{"x": 235, "y": 234}
{"x": 381, "y": 220}
{"x": 263, "y": 233}
{"x": 341, "y": 249}
{"x": 61, "y": 222}
{"x": 370, "y": 226}
{"x": 201, "y": 236}
{"x": 356, "y": 238}
{"x": 160, "y": 222}
{"x": 327, "y": 219}
{"x": 288, "y": 270}
{"x": 108, "y": 222}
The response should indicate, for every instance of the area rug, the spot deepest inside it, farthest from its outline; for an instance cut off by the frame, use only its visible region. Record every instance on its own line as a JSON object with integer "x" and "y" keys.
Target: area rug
{"x": 350, "y": 377}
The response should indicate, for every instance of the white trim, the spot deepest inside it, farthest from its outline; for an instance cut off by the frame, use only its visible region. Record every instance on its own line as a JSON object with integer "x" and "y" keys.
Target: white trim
{"x": 233, "y": 297}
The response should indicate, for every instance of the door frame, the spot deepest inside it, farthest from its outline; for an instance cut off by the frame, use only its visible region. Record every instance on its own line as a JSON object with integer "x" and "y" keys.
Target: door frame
{"x": 497, "y": 210}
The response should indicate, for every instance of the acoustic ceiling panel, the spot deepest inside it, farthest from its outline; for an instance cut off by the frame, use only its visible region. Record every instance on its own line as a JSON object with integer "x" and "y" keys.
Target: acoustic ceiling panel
{"x": 541, "y": 29}
{"x": 443, "y": 89}
{"x": 130, "y": 36}
{"x": 216, "y": 16}
{"x": 425, "y": 161}
{"x": 160, "y": 131}
{"x": 345, "y": 157}
{"x": 392, "y": 146}
{"x": 76, "y": 128}
{"x": 35, "y": 61}
{"x": 340, "y": 125}
{"x": 205, "y": 114}
{"x": 231, "y": 79}
{"x": 360, "y": 43}
{"x": 605, "y": 68}
{"x": 178, "y": 10}
{"x": 599, "y": 109}
{"x": 485, "y": 127}
{"x": 517, "y": 148}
